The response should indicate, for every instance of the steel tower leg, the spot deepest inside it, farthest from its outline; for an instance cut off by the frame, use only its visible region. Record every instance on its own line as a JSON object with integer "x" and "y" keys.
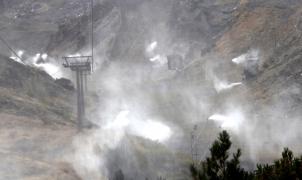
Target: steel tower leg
{"x": 79, "y": 99}
{"x": 82, "y": 97}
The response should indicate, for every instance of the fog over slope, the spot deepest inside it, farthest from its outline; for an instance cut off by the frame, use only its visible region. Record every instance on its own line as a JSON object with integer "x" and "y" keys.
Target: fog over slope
{"x": 241, "y": 71}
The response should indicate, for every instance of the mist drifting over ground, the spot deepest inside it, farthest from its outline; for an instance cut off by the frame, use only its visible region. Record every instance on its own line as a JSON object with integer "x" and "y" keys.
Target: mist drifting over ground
{"x": 170, "y": 74}
{"x": 139, "y": 96}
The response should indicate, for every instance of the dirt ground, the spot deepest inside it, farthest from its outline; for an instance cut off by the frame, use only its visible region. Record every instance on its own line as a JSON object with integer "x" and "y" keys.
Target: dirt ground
{"x": 32, "y": 150}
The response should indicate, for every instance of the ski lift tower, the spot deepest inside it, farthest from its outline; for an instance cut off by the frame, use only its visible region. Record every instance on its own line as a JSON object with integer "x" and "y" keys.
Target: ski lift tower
{"x": 82, "y": 66}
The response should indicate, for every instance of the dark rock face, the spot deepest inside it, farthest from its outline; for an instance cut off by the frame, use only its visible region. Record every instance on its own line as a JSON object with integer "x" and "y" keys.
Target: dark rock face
{"x": 2, "y": 5}
{"x": 36, "y": 22}
{"x": 64, "y": 27}
{"x": 74, "y": 33}
{"x": 202, "y": 19}
{"x": 19, "y": 77}
{"x": 65, "y": 83}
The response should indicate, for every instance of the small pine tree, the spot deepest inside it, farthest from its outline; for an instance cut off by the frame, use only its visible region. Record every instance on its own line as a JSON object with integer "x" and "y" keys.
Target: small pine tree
{"x": 218, "y": 166}
{"x": 286, "y": 168}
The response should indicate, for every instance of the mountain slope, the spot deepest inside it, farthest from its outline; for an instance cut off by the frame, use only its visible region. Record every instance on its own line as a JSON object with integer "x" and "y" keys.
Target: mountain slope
{"x": 36, "y": 113}
{"x": 27, "y": 91}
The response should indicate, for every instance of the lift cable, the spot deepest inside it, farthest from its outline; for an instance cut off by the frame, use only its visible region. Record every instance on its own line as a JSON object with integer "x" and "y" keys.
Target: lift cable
{"x": 10, "y": 48}
{"x": 92, "y": 32}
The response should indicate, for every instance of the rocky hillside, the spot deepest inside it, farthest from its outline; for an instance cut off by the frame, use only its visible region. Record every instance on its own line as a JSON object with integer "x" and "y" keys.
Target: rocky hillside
{"x": 32, "y": 150}
{"x": 27, "y": 91}
{"x": 214, "y": 38}
{"x": 273, "y": 28}
{"x": 36, "y": 111}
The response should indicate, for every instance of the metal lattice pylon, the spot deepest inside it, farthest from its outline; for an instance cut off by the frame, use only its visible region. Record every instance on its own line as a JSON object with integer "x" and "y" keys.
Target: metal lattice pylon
{"x": 82, "y": 66}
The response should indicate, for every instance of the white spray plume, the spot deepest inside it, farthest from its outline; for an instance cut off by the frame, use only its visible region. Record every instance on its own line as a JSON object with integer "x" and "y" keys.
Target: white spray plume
{"x": 231, "y": 121}
{"x": 121, "y": 121}
{"x": 20, "y": 54}
{"x": 50, "y": 68}
{"x": 16, "y": 59}
{"x": 53, "y": 70}
{"x": 36, "y": 58}
{"x": 155, "y": 58}
{"x": 149, "y": 129}
{"x": 75, "y": 55}
{"x": 220, "y": 85}
{"x": 151, "y": 47}
{"x": 152, "y": 130}
{"x": 44, "y": 56}
{"x": 159, "y": 60}
{"x": 252, "y": 55}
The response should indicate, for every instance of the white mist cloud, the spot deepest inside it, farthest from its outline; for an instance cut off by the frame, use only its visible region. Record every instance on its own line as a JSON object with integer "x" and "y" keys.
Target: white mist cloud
{"x": 74, "y": 55}
{"x": 222, "y": 86}
{"x": 36, "y": 58}
{"x": 87, "y": 157}
{"x": 155, "y": 58}
{"x": 52, "y": 69}
{"x": 231, "y": 121}
{"x": 49, "y": 67}
{"x": 151, "y": 47}
{"x": 91, "y": 148}
{"x": 149, "y": 129}
{"x": 128, "y": 82}
{"x": 121, "y": 121}
{"x": 44, "y": 56}
{"x": 20, "y": 54}
{"x": 158, "y": 58}
{"x": 16, "y": 59}
{"x": 152, "y": 130}
{"x": 252, "y": 55}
